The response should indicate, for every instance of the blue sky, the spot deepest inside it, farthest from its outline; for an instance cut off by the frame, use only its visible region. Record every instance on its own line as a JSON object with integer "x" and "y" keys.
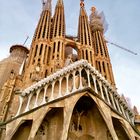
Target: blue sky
{"x": 18, "y": 18}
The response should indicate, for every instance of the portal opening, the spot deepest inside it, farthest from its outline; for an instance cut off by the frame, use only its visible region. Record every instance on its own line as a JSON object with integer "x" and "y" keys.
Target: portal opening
{"x": 86, "y": 121}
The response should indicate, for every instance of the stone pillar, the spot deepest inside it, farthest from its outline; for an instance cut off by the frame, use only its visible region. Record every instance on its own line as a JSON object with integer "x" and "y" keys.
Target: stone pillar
{"x": 60, "y": 88}
{"x": 102, "y": 95}
{"x": 74, "y": 88}
{"x": 112, "y": 100}
{"x": 20, "y": 105}
{"x": 80, "y": 76}
{"x": 45, "y": 92}
{"x": 88, "y": 76}
{"x": 94, "y": 79}
{"x": 108, "y": 100}
{"x": 52, "y": 97}
{"x": 36, "y": 100}
{"x": 116, "y": 100}
{"x": 67, "y": 84}
{"x": 28, "y": 103}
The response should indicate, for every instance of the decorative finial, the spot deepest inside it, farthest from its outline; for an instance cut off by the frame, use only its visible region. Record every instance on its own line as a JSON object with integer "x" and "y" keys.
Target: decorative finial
{"x": 82, "y": 3}
{"x": 47, "y": 5}
{"x": 93, "y": 9}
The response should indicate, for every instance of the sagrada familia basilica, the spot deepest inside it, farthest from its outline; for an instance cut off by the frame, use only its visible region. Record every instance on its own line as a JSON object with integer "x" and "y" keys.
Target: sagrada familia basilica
{"x": 63, "y": 87}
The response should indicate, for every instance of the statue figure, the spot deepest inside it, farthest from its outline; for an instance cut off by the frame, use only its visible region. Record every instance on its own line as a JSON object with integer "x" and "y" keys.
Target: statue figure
{"x": 68, "y": 60}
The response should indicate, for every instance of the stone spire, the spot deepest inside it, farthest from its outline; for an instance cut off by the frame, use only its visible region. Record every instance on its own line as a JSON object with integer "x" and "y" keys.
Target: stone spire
{"x": 58, "y": 24}
{"x": 39, "y": 54}
{"x": 57, "y": 36}
{"x": 43, "y": 27}
{"x": 84, "y": 33}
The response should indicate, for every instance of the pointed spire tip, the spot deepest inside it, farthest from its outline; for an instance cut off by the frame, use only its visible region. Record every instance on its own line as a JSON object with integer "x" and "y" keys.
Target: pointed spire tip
{"x": 60, "y": 2}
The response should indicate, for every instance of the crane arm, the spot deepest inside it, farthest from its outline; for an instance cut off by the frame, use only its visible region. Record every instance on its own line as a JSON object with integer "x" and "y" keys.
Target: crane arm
{"x": 116, "y": 45}
{"x": 26, "y": 40}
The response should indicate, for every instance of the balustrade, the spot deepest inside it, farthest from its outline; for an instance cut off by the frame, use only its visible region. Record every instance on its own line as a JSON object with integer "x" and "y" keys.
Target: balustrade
{"x": 74, "y": 80}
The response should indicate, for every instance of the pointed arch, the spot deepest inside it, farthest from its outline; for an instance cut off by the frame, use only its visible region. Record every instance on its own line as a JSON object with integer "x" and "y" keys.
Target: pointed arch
{"x": 86, "y": 121}
{"x": 23, "y": 130}
{"x": 120, "y": 130}
{"x": 53, "y": 118}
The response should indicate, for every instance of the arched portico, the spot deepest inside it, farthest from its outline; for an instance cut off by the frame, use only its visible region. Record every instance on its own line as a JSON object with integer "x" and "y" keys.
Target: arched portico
{"x": 86, "y": 121}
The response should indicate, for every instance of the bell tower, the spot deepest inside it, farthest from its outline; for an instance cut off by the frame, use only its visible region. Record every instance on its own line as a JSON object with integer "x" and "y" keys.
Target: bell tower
{"x": 102, "y": 59}
{"x": 37, "y": 63}
{"x": 84, "y": 36}
{"x": 57, "y": 37}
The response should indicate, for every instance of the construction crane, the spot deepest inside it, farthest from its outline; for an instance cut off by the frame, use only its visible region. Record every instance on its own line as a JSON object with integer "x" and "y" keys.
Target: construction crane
{"x": 121, "y": 47}
{"x": 25, "y": 40}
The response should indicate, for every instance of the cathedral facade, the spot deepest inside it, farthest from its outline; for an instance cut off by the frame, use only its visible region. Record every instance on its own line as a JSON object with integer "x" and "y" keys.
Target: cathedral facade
{"x": 63, "y": 88}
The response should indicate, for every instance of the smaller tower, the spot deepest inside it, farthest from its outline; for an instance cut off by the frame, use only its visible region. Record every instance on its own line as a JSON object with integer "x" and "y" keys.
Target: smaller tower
{"x": 9, "y": 70}
{"x": 84, "y": 35}
{"x": 102, "y": 59}
{"x": 18, "y": 54}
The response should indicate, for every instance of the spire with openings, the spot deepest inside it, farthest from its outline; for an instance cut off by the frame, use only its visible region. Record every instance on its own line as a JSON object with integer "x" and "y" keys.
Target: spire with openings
{"x": 84, "y": 35}
{"x": 58, "y": 24}
{"x": 39, "y": 52}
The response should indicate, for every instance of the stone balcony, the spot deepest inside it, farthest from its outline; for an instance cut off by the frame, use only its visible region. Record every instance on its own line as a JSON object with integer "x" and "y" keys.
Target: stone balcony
{"x": 70, "y": 80}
